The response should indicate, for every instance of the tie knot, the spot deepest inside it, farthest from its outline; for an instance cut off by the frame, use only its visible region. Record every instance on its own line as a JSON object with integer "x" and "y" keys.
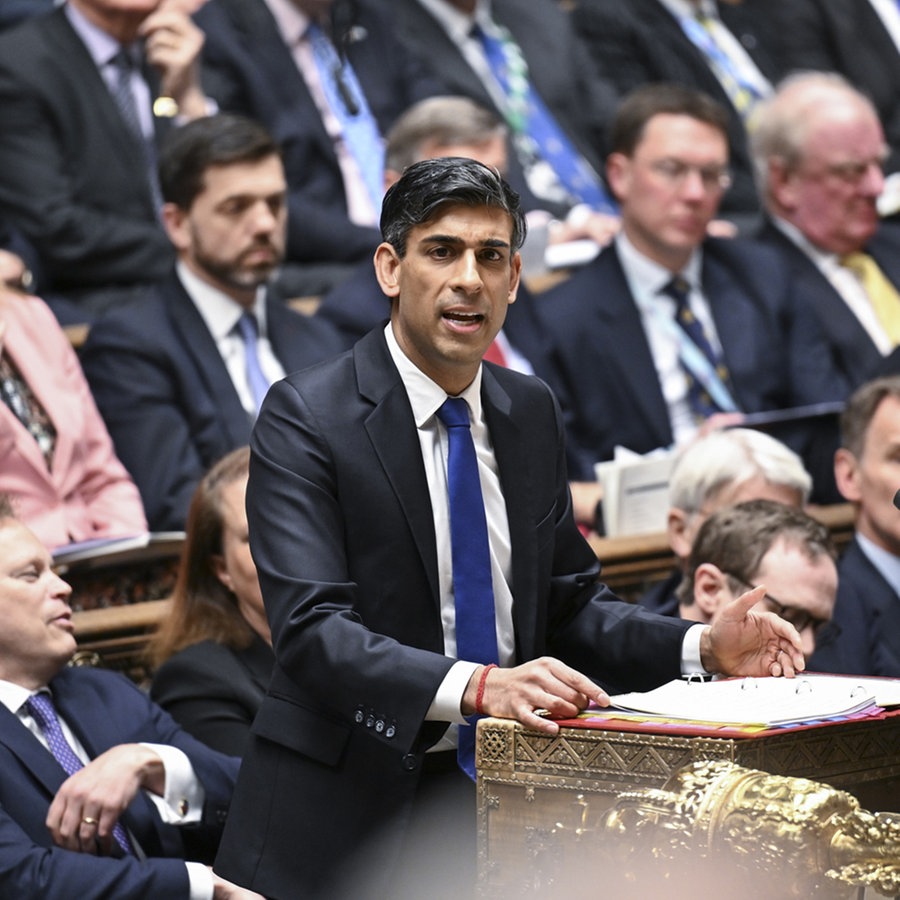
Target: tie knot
{"x": 248, "y": 327}
{"x": 124, "y": 60}
{"x": 41, "y": 709}
{"x": 678, "y": 289}
{"x": 454, "y": 413}
{"x": 857, "y": 263}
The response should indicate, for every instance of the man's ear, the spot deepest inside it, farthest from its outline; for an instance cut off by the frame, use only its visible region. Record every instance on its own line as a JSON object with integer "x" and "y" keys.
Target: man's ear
{"x": 846, "y": 474}
{"x": 680, "y": 535}
{"x": 175, "y": 221}
{"x": 618, "y": 174}
{"x": 711, "y": 589}
{"x": 387, "y": 269}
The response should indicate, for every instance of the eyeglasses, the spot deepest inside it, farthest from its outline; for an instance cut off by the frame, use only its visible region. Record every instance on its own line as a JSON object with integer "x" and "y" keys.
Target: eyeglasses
{"x": 676, "y": 172}
{"x": 825, "y": 630}
{"x": 850, "y": 172}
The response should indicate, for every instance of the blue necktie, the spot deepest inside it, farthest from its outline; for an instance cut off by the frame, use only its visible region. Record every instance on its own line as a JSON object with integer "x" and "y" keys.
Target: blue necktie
{"x": 704, "y": 394}
{"x": 348, "y": 103}
{"x": 42, "y": 710}
{"x": 473, "y": 592}
{"x": 527, "y": 115}
{"x": 259, "y": 384}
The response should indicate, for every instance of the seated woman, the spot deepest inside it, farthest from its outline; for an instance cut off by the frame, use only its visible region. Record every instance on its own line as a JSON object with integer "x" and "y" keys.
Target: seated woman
{"x": 59, "y": 466}
{"x": 213, "y": 654}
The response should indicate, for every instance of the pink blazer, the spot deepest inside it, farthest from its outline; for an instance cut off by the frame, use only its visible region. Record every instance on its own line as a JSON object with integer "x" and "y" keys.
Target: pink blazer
{"x": 88, "y": 493}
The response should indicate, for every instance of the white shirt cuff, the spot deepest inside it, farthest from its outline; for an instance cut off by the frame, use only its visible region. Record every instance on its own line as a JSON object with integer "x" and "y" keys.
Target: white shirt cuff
{"x": 445, "y": 707}
{"x": 201, "y": 881}
{"x": 184, "y": 796}
{"x": 690, "y": 651}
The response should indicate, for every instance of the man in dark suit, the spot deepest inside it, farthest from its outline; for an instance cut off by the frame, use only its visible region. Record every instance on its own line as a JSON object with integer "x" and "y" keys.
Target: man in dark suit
{"x": 819, "y": 149}
{"x": 867, "y": 472}
{"x": 624, "y": 328}
{"x": 858, "y": 38}
{"x": 541, "y": 50}
{"x": 176, "y": 379}
{"x": 75, "y": 176}
{"x": 92, "y": 773}
{"x": 354, "y": 535}
{"x": 639, "y": 42}
{"x": 257, "y": 62}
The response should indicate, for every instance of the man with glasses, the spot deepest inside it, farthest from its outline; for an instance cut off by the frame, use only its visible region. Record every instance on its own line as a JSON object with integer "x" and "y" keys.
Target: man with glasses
{"x": 867, "y": 471}
{"x": 819, "y": 149}
{"x": 763, "y": 542}
{"x": 670, "y": 331}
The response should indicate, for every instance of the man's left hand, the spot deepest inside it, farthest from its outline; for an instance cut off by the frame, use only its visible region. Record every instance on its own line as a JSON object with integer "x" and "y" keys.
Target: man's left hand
{"x": 742, "y": 641}
{"x": 89, "y": 803}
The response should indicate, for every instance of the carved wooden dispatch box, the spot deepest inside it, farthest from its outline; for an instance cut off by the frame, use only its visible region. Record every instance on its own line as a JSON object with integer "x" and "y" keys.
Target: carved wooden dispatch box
{"x": 540, "y": 797}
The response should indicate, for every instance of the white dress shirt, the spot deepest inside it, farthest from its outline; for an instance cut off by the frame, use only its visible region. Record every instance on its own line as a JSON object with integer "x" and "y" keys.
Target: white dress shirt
{"x": 221, "y": 313}
{"x": 645, "y": 281}
{"x": 889, "y": 13}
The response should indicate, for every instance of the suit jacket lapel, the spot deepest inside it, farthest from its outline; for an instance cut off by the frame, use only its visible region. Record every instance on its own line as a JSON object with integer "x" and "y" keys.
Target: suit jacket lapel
{"x": 397, "y": 449}
{"x": 620, "y": 319}
{"x": 30, "y": 752}
{"x": 201, "y": 349}
{"x": 516, "y": 478}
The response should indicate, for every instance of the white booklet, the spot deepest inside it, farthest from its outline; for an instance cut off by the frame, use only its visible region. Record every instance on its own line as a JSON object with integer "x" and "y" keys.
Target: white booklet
{"x": 756, "y": 701}
{"x": 635, "y": 491}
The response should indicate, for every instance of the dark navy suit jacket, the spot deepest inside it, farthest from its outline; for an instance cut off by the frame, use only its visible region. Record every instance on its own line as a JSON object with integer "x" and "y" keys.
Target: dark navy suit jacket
{"x": 249, "y": 69}
{"x": 604, "y": 373}
{"x": 850, "y": 351}
{"x": 103, "y": 709}
{"x": 344, "y": 541}
{"x": 72, "y": 176}
{"x": 868, "y": 612}
{"x": 165, "y": 394}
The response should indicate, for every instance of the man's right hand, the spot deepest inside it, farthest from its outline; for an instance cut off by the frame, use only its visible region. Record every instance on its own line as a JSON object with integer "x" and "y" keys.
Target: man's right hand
{"x": 225, "y": 890}
{"x": 545, "y": 684}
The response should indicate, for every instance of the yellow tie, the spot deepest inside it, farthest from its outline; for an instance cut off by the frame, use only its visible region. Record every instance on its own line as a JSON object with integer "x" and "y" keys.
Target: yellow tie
{"x": 882, "y": 294}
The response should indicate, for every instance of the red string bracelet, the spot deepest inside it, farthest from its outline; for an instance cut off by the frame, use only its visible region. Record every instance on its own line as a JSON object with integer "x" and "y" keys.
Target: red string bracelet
{"x": 479, "y": 694}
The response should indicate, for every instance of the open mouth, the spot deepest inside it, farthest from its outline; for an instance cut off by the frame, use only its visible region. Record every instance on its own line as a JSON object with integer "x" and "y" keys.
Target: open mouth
{"x": 463, "y": 321}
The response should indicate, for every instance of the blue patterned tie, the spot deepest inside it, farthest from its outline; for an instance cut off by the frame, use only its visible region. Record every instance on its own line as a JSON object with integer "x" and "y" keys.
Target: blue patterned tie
{"x": 259, "y": 385}
{"x": 473, "y": 592}
{"x": 42, "y": 710}
{"x": 527, "y": 115}
{"x": 348, "y": 103}
{"x": 701, "y": 390}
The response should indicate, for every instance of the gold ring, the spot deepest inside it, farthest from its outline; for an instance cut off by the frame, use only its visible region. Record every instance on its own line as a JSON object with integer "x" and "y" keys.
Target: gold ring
{"x": 89, "y": 820}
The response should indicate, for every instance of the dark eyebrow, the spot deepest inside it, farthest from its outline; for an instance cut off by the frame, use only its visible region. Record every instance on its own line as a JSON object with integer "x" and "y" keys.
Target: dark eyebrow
{"x": 456, "y": 241}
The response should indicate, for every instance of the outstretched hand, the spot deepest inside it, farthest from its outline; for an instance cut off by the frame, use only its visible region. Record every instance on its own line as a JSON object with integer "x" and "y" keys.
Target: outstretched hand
{"x": 742, "y": 641}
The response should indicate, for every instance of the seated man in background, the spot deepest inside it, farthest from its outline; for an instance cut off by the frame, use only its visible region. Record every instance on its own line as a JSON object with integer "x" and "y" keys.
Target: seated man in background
{"x": 719, "y": 470}
{"x": 763, "y": 542}
{"x": 212, "y": 655}
{"x": 441, "y": 126}
{"x": 867, "y": 471}
{"x": 86, "y": 92}
{"x": 327, "y": 78}
{"x": 59, "y": 466}
{"x": 179, "y": 376}
{"x": 669, "y": 328}
{"x": 819, "y": 149}
{"x": 101, "y": 794}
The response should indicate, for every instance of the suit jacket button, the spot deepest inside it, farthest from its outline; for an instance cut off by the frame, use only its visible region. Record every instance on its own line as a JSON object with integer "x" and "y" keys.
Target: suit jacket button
{"x": 379, "y": 726}
{"x": 359, "y": 715}
{"x": 370, "y": 721}
{"x": 391, "y": 730}
{"x": 410, "y": 763}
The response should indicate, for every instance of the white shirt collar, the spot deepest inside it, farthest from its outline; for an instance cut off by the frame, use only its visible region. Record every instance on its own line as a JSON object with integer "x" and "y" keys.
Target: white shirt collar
{"x": 456, "y": 23}
{"x": 647, "y": 277}
{"x": 12, "y": 696}
{"x": 219, "y": 311}
{"x": 682, "y": 8}
{"x": 101, "y": 45}
{"x": 426, "y": 396}
{"x": 886, "y": 563}
{"x": 291, "y": 22}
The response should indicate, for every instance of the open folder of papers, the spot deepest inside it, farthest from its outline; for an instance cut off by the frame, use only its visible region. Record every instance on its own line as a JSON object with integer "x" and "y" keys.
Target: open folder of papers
{"x": 766, "y": 702}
